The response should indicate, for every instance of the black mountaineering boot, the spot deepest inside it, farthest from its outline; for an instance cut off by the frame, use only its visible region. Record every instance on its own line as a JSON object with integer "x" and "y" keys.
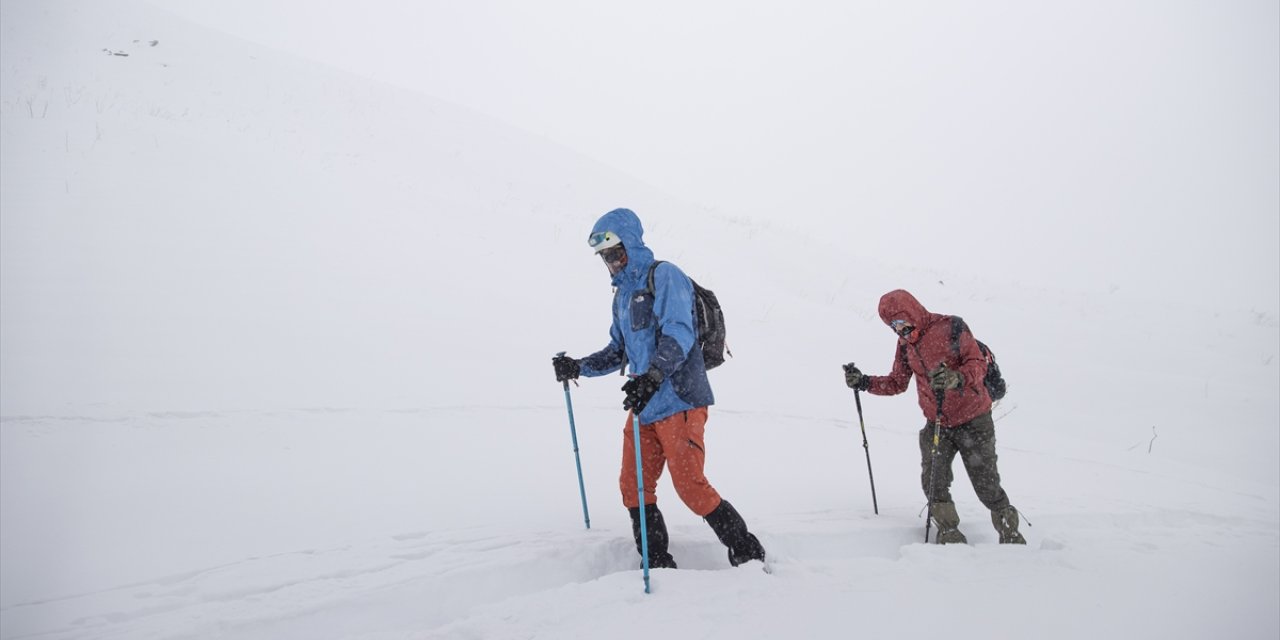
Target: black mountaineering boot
{"x": 732, "y": 532}
{"x": 656, "y": 527}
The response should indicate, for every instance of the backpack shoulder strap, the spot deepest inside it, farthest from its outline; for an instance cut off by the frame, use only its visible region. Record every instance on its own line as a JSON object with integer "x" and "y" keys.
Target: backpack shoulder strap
{"x": 653, "y": 267}
{"x": 957, "y": 327}
{"x": 657, "y": 331}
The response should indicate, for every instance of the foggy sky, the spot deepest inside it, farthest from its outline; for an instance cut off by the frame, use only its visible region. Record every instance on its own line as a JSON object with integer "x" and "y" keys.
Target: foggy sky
{"x": 1130, "y": 146}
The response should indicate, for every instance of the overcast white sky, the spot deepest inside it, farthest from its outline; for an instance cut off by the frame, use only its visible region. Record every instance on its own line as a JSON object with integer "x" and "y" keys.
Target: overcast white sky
{"x": 1132, "y": 144}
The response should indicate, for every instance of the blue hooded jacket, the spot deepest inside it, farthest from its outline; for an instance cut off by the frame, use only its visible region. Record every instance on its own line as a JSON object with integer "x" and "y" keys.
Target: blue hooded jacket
{"x": 652, "y": 330}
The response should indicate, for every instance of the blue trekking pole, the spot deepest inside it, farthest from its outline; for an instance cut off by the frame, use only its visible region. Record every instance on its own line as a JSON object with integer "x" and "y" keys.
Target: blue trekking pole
{"x": 573, "y": 432}
{"x": 644, "y": 532}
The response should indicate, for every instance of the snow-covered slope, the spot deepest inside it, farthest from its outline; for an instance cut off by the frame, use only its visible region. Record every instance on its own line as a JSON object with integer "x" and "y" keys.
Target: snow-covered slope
{"x": 274, "y": 348}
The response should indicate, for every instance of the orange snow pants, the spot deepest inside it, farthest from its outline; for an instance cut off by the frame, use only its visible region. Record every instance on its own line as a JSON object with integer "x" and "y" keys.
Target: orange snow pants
{"x": 676, "y": 443}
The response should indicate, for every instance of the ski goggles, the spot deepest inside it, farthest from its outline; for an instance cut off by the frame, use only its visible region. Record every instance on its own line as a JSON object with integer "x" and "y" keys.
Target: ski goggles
{"x": 900, "y": 327}
{"x": 603, "y": 240}
{"x": 613, "y": 255}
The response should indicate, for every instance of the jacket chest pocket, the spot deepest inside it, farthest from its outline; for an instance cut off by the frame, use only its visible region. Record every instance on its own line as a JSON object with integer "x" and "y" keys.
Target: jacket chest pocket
{"x": 918, "y": 366}
{"x": 921, "y": 367}
{"x": 640, "y": 308}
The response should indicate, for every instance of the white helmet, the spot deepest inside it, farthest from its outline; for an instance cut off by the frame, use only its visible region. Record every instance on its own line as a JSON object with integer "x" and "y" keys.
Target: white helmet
{"x": 603, "y": 240}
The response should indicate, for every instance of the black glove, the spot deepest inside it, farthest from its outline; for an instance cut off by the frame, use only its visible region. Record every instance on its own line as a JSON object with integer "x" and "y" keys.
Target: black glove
{"x": 942, "y": 378}
{"x": 566, "y": 368}
{"x": 640, "y": 389}
{"x": 856, "y": 379}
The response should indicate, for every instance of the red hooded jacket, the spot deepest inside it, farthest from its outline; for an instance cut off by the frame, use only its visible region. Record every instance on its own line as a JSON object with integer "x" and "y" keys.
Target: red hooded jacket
{"x": 925, "y": 349}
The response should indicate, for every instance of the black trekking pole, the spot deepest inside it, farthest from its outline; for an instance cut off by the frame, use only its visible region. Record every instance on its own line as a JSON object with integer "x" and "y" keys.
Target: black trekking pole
{"x": 933, "y": 460}
{"x": 867, "y": 449}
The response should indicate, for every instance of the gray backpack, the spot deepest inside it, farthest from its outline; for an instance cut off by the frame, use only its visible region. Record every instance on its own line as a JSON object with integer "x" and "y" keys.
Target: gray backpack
{"x": 708, "y": 320}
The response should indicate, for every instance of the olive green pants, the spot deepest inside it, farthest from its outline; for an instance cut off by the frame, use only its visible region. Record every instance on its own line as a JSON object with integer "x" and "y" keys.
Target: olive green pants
{"x": 975, "y": 441}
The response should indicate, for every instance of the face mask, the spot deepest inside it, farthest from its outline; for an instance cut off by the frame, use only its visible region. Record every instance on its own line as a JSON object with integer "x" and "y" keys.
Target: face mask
{"x": 901, "y": 328}
{"x": 615, "y": 258}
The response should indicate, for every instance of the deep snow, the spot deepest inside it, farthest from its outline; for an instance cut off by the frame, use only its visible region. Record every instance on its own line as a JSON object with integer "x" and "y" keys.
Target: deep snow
{"x": 274, "y": 363}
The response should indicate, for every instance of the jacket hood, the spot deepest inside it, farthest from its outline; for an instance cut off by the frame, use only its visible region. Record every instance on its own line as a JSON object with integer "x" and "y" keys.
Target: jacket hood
{"x": 901, "y": 305}
{"x": 626, "y": 225}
